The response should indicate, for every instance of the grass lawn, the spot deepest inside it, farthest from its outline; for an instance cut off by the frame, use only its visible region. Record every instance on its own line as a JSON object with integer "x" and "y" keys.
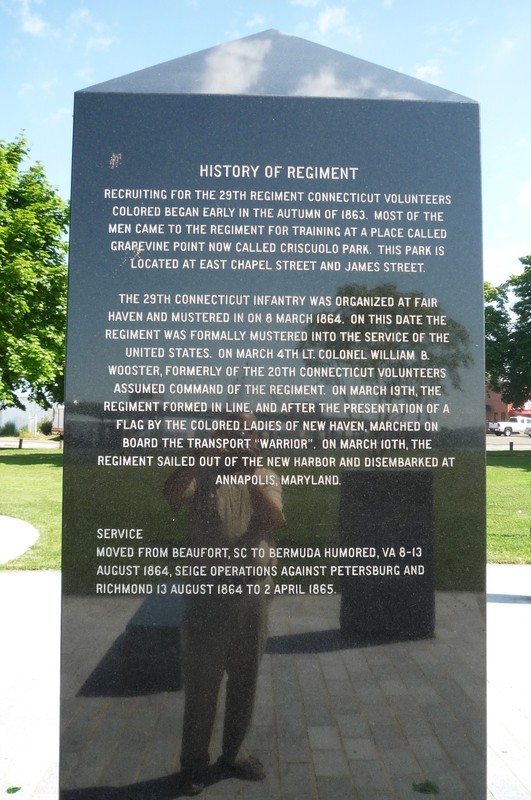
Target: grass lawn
{"x": 31, "y": 486}
{"x": 31, "y": 490}
{"x": 509, "y": 508}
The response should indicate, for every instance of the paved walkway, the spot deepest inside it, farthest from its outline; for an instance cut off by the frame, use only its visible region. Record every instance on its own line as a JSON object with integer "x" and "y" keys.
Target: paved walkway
{"x": 29, "y": 632}
{"x": 15, "y": 443}
{"x": 509, "y": 690}
{"x": 29, "y": 687}
{"x": 16, "y": 536}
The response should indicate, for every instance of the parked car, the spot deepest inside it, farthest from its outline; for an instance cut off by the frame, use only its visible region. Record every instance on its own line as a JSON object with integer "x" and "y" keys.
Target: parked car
{"x": 512, "y": 425}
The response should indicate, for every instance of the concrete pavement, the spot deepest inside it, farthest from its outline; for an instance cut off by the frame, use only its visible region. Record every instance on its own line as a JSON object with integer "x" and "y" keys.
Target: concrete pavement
{"x": 16, "y": 443}
{"x": 16, "y": 536}
{"x": 509, "y": 691}
{"x": 30, "y": 676}
{"x": 29, "y": 686}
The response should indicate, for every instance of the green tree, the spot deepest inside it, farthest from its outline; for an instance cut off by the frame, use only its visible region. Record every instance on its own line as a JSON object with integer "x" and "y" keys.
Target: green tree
{"x": 497, "y": 336}
{"x": 508, "y": 336}
{"x": 33, "y": 221}
{"x": 519, "y": 374}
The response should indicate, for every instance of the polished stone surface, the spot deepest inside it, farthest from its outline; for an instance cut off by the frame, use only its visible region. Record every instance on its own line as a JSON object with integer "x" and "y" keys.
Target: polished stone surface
{"x": 261, "y": 177}
{"x": 29, "y": 727}
{"x": 273, "y": 63}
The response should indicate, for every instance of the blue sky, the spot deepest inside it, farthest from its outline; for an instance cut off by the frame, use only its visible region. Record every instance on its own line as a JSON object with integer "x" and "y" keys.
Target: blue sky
{"x": 51, "y": 48}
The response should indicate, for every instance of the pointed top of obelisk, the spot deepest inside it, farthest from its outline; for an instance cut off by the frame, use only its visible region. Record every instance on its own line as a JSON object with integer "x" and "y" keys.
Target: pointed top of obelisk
{"x": 273, "y": 63}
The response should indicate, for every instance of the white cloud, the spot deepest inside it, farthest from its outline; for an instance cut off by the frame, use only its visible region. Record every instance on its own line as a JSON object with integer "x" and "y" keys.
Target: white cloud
{"x": 60, "y": 114}
{"x": 78, "y": 17}
{"x": 234, "y": 67}
{"x": 99, "y": 43}
{"x": 505, "y": 48}
{"x": 327, "y": 84}
{"x": 430, "y": 72}
{"x": 255, "y": 22}
{"x": 524, "y": 196}
{"x": 324, "y": 84}
{"x": 32, "y": 23}
{"x": 500, "y": 262}
{"x": 42, "y": 87}
{"x": 334, "y": 20}
{"x": 452, "y": 30}
{"x": 79, "y": 28}
{"x": 93, "y": 35}
{"x": 85, "y": 74}
{"x": 25, "y": 89}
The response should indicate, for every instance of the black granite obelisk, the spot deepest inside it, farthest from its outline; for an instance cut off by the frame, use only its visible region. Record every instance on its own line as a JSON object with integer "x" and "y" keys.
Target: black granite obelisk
{"x": 275, "y": 282}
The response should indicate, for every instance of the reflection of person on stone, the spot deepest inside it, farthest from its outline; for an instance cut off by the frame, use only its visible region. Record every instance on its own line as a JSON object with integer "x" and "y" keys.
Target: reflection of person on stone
{"x": 233, "y": 505}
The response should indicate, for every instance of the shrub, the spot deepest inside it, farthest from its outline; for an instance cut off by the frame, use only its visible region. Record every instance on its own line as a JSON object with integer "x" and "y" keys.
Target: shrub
{"x": 46, "y": 427}
{"x": 9, "y": 429}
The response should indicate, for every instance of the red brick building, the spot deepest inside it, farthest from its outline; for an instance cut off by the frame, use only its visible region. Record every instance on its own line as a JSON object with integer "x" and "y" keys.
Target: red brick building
{"x": 495, "y": 409}
{"x": 498, "y": 411}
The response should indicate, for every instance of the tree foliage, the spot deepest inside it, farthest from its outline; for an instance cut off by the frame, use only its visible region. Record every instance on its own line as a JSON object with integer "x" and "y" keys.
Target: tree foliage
{"x": 497, "y": 335}
{"x": 508, "y": 336}
{"x": 33, "y": 274}
{"x": 520, "y": 367}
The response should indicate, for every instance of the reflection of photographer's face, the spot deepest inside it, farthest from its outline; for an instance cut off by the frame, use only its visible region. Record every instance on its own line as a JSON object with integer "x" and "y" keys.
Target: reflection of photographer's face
{"x": 248, "y": 449}
{"x": 231, "y": 459}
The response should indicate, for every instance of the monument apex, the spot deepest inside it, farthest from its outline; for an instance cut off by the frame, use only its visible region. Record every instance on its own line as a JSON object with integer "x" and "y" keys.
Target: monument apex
{"x": 274, "y": 63}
